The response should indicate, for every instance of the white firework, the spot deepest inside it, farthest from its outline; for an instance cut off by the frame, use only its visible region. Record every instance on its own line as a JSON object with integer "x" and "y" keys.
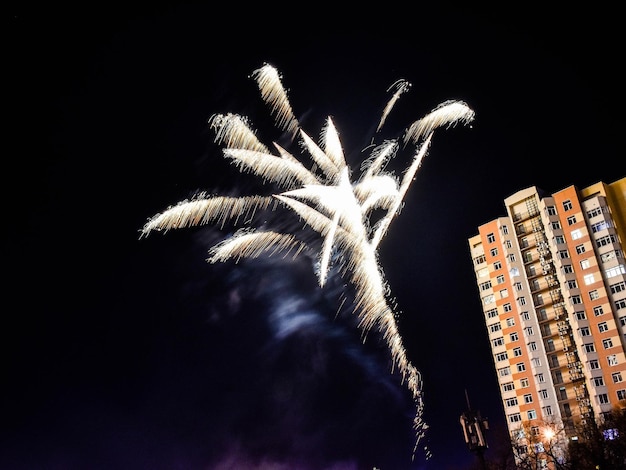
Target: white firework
{"x": 326, "y": 199}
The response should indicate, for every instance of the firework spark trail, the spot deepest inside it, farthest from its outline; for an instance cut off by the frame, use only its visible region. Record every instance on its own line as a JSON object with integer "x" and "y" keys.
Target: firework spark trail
{"x": 333, "y": 207}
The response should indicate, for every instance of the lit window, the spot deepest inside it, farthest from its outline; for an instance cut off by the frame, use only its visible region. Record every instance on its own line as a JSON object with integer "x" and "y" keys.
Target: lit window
{"x": 576, "y": 234}
{"x": 589, "y": 279}
{"x": 585, "y": 264}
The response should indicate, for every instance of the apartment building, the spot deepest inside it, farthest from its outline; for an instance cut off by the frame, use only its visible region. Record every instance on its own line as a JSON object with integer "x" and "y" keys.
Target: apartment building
{"x": 551, "y": 276}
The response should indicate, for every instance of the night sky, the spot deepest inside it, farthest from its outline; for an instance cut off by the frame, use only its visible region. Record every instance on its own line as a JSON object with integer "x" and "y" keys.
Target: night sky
{"x": 121, "y": 353}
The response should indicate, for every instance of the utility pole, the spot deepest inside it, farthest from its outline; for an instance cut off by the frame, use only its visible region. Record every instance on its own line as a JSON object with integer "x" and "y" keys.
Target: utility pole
{"x": 474, "y": 427}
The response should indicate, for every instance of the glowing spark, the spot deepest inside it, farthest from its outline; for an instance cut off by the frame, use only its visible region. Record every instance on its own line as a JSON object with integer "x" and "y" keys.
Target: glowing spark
{"x": 330, "y": 205}
{"x": 401, "y": 86}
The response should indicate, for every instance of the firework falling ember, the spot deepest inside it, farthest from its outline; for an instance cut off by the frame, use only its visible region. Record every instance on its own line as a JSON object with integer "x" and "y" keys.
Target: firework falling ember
{"x": 326, "y": 198}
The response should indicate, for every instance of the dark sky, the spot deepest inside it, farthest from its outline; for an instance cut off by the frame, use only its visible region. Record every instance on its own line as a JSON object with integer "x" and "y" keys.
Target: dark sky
{"x": 127, "y": 353}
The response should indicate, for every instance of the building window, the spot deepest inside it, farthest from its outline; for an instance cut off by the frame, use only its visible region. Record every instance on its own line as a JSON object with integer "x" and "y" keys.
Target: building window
{"x": 589, "y": 347}
{"x": 515, "y": 418}
{"x": 612, "y": 359}
{"x": 510, "y": 402}
{"x": 540, "y": 378}
{"x": 581, "y": 315}
{"x": 594, "y": 364}
{"x": 501, "y": 356}
{"x": 522, "y": 301}
{"x": 518, "y": 286}
{"x": 550, "y": 345}
{"x": 480, "y": 259}
{"x": 603, "y": 326}
{"x": 489, "y": 299}
{"x": 606, "y": 240}
{"x": 508, "y": 387}
{"x": 589, "y": 279}
{"x": 495, "y": 327}
{"x": 598, "y": 381}
{"x": 513, "y": 336}
{"x": 525, "y": 315}
{"x": 551, "y": 210}
{"x": 585, "y": 331}
{"x": 567, "y": 269}
{"x": 497, "y": 265}
{"x": 567, "y": 205}
{"x": 618, "y": 287}
{"x": 572, "y": 284}
{"x": 563, "y": 254}
{"x": 504, "y": 371}
{"x": 493, "y": 252}
{"x": 507, "y": 307}
{"x": 532, "y": 346}
{"x": 622, "y": 321}
{"x": 620, "y": 304}
{"x": 594, "y": 212}
{"x": 500, "y": 279}
{"x": 594, "y": 294}
{"x": 497, "y": 342}
{"x": 510, "y": 322}
{"x": 528, "y": 398}
{"x": 524, "y": 383}
{"x": 597, "y": 311}
{"x": 575, "y": 299}
{"x": 511, "y": 257}
{"x": 536, "y": 361}
{"x": 556, "y": 225}
{"x": 603, "y": 399}
{"x": 607, "y": 343}
{"x": 621, "y": 394}
{"x": 484, "y": 285}
{"x": 517, "y": 352}
{"x": 576, "y": 234}
{"x": 532, "y": 414}
{"x": 543, "y": 393}
{"x": 585, "y": 264}
{"x": 617, "y": 377}
{"x": 504, "y": 293}
{"x": 529, "y": 331}
{"x": 562, "y": 393}
{"x": 505, "y": 230}
{"x": 580, "y": 249}
{"x": 559, "y": 239}
{"x": 571, "y": 220}
{"x": 547, "y": 410}
{"x": 491, "y": 237}
{"x": 520, "y": 366}
{"x": 492, "y": 313}
{"x": 598, "y": 226}
{"x": 508, "y": 244}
